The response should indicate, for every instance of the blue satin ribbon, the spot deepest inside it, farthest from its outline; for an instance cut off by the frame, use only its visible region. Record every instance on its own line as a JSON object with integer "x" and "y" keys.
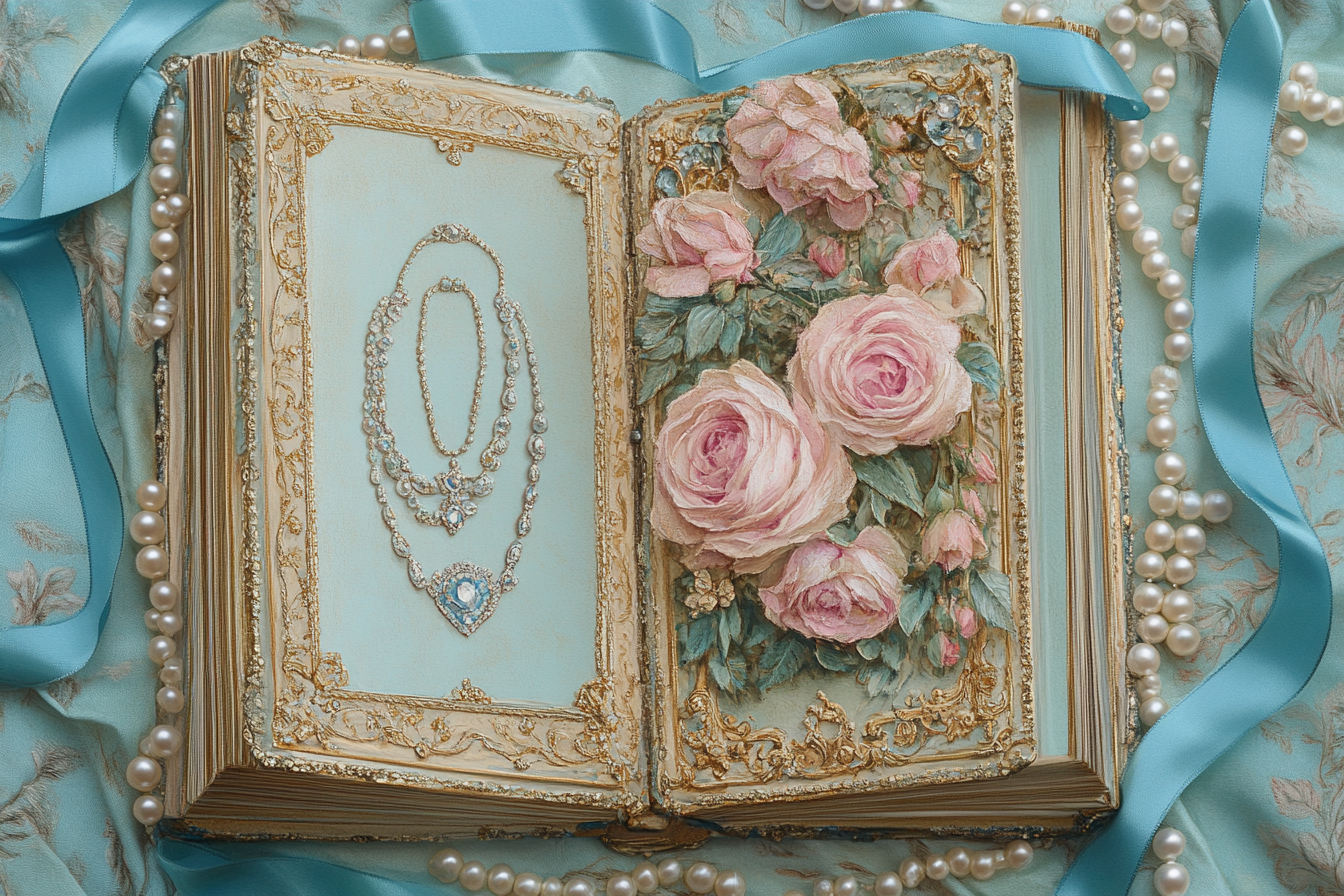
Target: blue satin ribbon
{"x": 199, "y": 870}
{"x": 95, "y": 147}
{"x": 1278, "y": 660}
{"x": 1046, "y": 57}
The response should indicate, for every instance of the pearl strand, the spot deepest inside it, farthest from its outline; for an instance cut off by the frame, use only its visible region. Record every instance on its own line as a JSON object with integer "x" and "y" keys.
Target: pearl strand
{"x": 167, "y": 213}
{"x": 400, "y": 40}
{"x": 1171, "y": 877}
{"x": 862, "y": 7}
{"x": 1300, "y": 94}
{"x": 1016, "y": 12}
{"x": 1122, "y": 20}
{"x": 702, "y": 878}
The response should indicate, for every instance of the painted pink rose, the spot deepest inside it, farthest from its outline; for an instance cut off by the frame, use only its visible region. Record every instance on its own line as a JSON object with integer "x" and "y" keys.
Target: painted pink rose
{"x": 893, "y": 133}
{"x": 741, "y": 474}
{"x": 984, "y": 467}
{"x": 881, "y": 371}
{"x": 967, "y": 624}
{"x": 912, "y": 185}
{"x": 842, "y": 594}
{"x": 970, "y": 499}
{"x": 828, "y": 254}
{"x": 952, "y": 540}
{"x": 931, "y": 268}
{"x": 789, "y": 139}
{"x": 695, "y": 241}
{"x": 948, "y": 650}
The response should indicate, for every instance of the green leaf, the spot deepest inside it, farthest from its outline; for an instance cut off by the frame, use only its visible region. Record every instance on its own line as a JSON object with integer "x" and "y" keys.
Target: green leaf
{"x": 784, "y": 659}
{"x": 704, "y": 326}
{"x": 893, "y": 651}
{"x": 733, "y": 328}
{"x": 991, "y": 593}
{"x": 869, "y": 648}
{"x": 780, "y": 237}
{"x": 892, "y": 476}
{"x": 697, "y": 637}
{"x": 915, "y": 604}
{"x": 730, "y": 626}
{"x": 981, "y": 365}
{"x": 651, "y": 329}
{"x": 938, "y": 500}
{"x": 835, "y": 658}
{"x": 656, "y": 304}
{"x": 656, "y": 375}
{"x": 843, "y": 533}
{"x": 668, "y": 348}
{"x": 935, "y": 655}
{"x": 882, "y": 681}
{"x": 878, "y": 506}
{"x": 725, "y": 292}
{"x": 730, "y": 674}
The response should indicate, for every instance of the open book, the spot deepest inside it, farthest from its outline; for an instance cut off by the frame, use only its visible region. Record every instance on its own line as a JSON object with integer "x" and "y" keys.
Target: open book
{"x": 751, "y": 465}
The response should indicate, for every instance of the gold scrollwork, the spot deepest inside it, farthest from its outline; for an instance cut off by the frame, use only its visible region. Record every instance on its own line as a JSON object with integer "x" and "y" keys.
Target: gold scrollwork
{"x": 467, "y": 692}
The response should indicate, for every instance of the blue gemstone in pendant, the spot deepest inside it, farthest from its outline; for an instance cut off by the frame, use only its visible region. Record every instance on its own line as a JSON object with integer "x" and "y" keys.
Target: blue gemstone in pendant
{"x": 464, "y": 595}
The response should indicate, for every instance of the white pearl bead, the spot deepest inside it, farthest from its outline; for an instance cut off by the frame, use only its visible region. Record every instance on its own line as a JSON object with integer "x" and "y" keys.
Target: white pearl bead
{"x": 1134, "y": 155}
{"x": 1152, "y": 709}
{"x": 325, "y": 46}
{"x": 446, "y": 865}
{"x": 1128, "y": 214}
{"x": 1149, "y": 565}
{"x": 1159, "y": 536}
{"x": 402, "y": 40}
{"x": 163, "y": 244}
{"x": 1290, "y": 96}
{"x": 1216, "y": 506}
{"x": 527, "y": 884}
{"x": 1334, "y": 112}
{"x": 1121, "y": 19}
{"x": 1315, "y": 104}
{"x": 164, "y": 741}
{"x": 1190, "y": 191}
{"x": 164, "y": 595}
{"x": 1164, "y": 75}
{"x": 178, "y": 206}
{"x": 146, "y": 527}
{"x": 349, "y": 45}
{"x": 169, "y": 623}
{"x": 936, "y": 868}
{"x": 846, "y": 6}
{"x": 1014, "y": 12}
{"x": 1171, "y": 879}
{"x": 1127, "y": 129}
{"x": 1175, "y": 33}
{"x": 1171, "y": 284}
{"x": 144, "y": 773}
{"x": 164, "y": 307}
{"x": 1178, "y": 346}
{"x": 1304, "y": 73}
{"x": 898, "y": 5}
{"x": 700, "y": 878}
{"x": 1153, "y": 628}
{"x": 552, "y": 886}
{"x": 1190, "y": 540}
{"x": 1125, "y": 186}
{"x": 1155, "y": 264}
{"x": 1164, "y": 147}
{"x": 888, "y": 884}
{"x": 1190, "y": 505}
{"x": 1146, "y": 239}
{"x": 1179, "y": 314}
{"x": 374, "y": 46}
{"x": 499, "y": 880}
{"x": 1148, "y": 598}
{"x": 823, "y": 887}
{"x": 170, "y": 698}
{"x": 982, "y": 865}
{"x": 911, "y": 873}
{"x": 846, "y": 885}
{"x": 1019, "y": 854}
{"x": 152, "y": 562}
{"x": 147, "y": 809}
{"x": 151, "y": 495}
{"x": 1151, "y": 680}
{"x": 669, "y": 872}
{"x": 170, "y": 121}
{"x": 1292, "y": 140}
{"x": 1180, "y": 569}
{"x": 1160, "y": 401}
{"x": 1124, "y": 52}
{"x": 1149, "y": 25}
{"x": 1182, "y": 168}
{"x": 165, "y": 279}
{"x": 171, "y": 673}
{"x": 1178, "y": 605}
{"x": 152, "y": 619}
{"x": 579, "y": 886}
{"x": 1183, "y": 639}
{"x": 1143, "y": 659}
{"x": 163, "y": 149}
{"x": 1039, "y": 13}
{"x": 1162, "y": 430}
{"x": 871, "y": 7}
{"x": 732, "y": 883}
{"x": 1164, "y": 376}
{"x": 959, "y": 860}
{"x": 622, "y": 885}
{"x": 164, "y": 179}
{"x": 158, "y": 325}
{"x": 1163, "y": 500}
{"x": 1183, "y": 215}
{"x": 1146, "y": 692}
{"x": 645, "y": 875}
{"x": 160, "y": 213}
{"x": 1168, "y": 844}
{"x": 1188, "y": 241}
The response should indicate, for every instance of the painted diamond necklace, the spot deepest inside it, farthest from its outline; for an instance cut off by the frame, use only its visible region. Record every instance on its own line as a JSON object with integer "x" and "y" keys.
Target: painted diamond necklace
{"x": 466, "y": 593}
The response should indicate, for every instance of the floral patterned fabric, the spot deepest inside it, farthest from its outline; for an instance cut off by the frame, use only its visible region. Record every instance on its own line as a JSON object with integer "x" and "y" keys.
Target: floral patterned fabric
{"x": 1268, "y": 817}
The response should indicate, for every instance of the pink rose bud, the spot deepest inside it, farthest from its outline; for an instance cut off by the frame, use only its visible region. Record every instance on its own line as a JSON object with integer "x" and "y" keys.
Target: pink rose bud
{"x": 828, "y": 254}
{"x": 984, "y": 467}
{"x": 971, "y": 501}
{"x": 912, "y": 185}
{"x": 948, "y": 649}
{"x": 931, "y": 267}
{"x": 952, "y": 540}
{"x": 695, "y": 241}
{"x": 893, "y": 133}
{"x": 966, "y": 622}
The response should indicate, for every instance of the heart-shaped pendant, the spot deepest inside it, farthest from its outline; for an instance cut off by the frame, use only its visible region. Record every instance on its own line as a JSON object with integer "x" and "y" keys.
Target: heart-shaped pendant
{"x": 466, "y": 594}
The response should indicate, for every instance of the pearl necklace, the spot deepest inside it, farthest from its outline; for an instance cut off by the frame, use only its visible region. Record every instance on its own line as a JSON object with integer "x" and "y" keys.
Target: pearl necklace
{"x": 862, "y": 7}
{"x": 1300, "y": 94}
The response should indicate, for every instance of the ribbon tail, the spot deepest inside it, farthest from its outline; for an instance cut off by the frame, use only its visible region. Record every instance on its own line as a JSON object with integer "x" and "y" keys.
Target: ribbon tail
{"x": 1278, "y": 660}
{"x": 202, "y": 871}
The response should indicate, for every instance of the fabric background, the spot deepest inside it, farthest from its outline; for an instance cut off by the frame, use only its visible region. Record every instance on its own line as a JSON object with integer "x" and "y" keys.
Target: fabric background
{"x": 1268, "y": 817}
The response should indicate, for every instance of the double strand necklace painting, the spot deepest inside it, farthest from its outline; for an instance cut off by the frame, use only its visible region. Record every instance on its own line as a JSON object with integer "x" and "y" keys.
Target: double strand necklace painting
{"x": 466, "y": 593}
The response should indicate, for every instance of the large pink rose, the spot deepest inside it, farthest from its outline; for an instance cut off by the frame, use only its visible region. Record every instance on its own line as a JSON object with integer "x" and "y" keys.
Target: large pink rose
{"x": 741, "y": 474}
{"x": 882, "y": 371}
{"x": 931, "y": 268}
{"x": 952, "y": 540}
{"x": 788, "y": 137}
{"x": 695, "y": 241}
{"x": 842, "y": 594}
